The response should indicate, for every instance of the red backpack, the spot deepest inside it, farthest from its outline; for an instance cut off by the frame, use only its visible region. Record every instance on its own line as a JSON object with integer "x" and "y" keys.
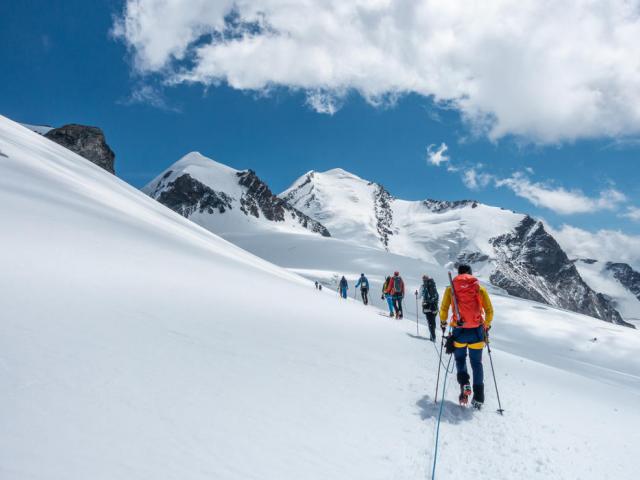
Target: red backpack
{"x": 467, "y": 290}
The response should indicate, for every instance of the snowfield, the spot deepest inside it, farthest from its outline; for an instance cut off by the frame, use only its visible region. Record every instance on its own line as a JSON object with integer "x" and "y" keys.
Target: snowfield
{"x": 135, "y": 344}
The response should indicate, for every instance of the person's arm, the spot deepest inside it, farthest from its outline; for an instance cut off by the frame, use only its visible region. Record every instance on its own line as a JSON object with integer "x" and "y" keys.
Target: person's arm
{"x": 444, "y": 308}
{"x": 487, "y": 306}
{"x": 358, "y": 284}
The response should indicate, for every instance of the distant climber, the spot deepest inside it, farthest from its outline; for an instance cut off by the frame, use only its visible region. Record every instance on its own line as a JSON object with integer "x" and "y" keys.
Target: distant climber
{"x": 363, "y": 283}
{"x": 430, "y": 299}
{"x": 396, "y": 290}
{"x": 316, "y": 285}
{"x": 468, "y": 332}
{"x": 343, "y": 287}
{"x": 387, "y": 296}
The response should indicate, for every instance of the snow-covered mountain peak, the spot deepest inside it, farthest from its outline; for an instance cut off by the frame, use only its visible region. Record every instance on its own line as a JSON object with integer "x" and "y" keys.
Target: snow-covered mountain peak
{"x": 224, "y": 199}
{"x": 509, "y": 249}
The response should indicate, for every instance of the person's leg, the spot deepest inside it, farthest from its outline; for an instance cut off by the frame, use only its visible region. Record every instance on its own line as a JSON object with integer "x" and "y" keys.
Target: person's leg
{"x": 475, "y": 359}
{"x": 460, "y": 356}
{"x": 431, "y": 320}
{"x": 389, "y": 303}
{"x": 400, "y": 306}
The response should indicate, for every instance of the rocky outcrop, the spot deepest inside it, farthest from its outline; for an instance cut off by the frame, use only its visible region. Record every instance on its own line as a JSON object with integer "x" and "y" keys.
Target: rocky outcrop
{"x": 471, "y": 258}
{"x": 439, "y": 206}
{"x": 259, "y": 199}
{"x": 186, "y": 195}
{"x": 88, "y": 142}
{"x": 384, "y": 214}
{"x": 529, "y": 263}
{"x": 627, "y": 276}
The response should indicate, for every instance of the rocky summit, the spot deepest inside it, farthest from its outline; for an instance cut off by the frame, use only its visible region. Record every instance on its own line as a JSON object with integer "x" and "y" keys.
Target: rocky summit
{"x": 88, "y": 142}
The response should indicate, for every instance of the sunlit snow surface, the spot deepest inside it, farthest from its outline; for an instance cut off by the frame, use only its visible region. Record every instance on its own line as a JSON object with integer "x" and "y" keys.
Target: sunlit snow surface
{"x": 135, "y": 344}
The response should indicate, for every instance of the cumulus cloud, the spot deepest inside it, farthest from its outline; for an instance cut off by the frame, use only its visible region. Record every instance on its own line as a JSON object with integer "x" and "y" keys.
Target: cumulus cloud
{"x": 603, "y": 245}
{"x": 560, "y": 200}
{"x": 546, "y": 72}
{"x": 437, "y": 155}
{"x": 632, "y": 213}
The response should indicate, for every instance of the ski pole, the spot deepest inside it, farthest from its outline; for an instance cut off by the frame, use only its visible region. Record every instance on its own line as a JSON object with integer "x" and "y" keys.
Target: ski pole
{"x": 417, "y": 331}
{"x": 486, "y": 339}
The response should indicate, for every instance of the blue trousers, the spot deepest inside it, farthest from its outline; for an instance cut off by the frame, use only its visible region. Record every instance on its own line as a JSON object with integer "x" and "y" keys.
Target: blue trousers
{"x": 343, "y": 292}
{"x": 389, "y": 302}
{"x": 468, "y": 335}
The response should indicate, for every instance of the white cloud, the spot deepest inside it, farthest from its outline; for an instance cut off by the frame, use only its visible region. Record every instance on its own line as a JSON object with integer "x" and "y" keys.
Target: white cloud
{"x": 543, "y": 71}
{"x": 324, "y": 102}
{"x": 632, "y": 213}
{"x": 603, "y": 245}
{"x": 437, "y": 155}
{"x": 474, "y": 179}
{"x": 560, "y": 200}
{"x": 149, "y": 95}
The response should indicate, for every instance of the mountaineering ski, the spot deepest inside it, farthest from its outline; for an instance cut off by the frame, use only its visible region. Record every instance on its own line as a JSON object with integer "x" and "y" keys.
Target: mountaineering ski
{"x": 363, "y": 283}
{"x": 471, "y": 320}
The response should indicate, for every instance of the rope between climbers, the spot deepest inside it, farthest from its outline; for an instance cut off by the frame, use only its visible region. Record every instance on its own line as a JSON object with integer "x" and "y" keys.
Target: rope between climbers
{"x": 444, "y": 387}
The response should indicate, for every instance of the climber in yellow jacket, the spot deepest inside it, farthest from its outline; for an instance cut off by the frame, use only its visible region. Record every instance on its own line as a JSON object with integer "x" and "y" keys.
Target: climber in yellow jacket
{"x": 469, "y": 332}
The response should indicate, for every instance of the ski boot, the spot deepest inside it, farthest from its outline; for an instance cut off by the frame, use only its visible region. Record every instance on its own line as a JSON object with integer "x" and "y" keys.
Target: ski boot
{"x": 465, "y": 392}
{"x": 391, "y": 314}
{"x": 478, "y": 396}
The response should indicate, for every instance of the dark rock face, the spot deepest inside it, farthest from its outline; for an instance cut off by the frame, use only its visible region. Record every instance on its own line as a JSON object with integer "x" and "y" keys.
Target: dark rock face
{"x": 186, "y": 195}
{"x": 439, "y": 206}
{"x": 588, "y": 261}
{"x": 530, "y": 264}
{"x": 470, "y": 258}
{"x": 384, "y": 214}
{"x": 259, "y": 198}
{"x": 627, "y": 276}
{"x": 88, "y": 142}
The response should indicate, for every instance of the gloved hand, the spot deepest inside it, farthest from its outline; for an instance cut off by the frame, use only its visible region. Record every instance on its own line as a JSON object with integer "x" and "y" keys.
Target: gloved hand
{"x": 486, "y": 327}
{"x": 382, "y": 297}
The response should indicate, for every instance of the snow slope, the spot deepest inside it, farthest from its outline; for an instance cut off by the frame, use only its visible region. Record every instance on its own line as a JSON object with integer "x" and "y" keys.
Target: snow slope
{"x": 601, "y": 278}
{"x": 135, "y": 344}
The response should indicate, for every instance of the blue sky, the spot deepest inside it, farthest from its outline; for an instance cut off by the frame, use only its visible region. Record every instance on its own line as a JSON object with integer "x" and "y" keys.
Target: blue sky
{"x": 60, "y": 64}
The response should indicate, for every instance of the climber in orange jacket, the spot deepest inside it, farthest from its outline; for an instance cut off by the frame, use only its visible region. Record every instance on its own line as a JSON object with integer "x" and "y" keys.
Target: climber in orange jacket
{"x": 469, "y": 332}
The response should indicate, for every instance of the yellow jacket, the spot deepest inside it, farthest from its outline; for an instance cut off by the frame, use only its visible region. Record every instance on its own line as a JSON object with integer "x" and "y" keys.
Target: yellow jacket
{"x": 486, "y": 306}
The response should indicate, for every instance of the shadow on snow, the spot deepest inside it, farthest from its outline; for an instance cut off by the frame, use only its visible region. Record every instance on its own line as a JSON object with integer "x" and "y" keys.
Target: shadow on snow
{"x": 451, "y": 412}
